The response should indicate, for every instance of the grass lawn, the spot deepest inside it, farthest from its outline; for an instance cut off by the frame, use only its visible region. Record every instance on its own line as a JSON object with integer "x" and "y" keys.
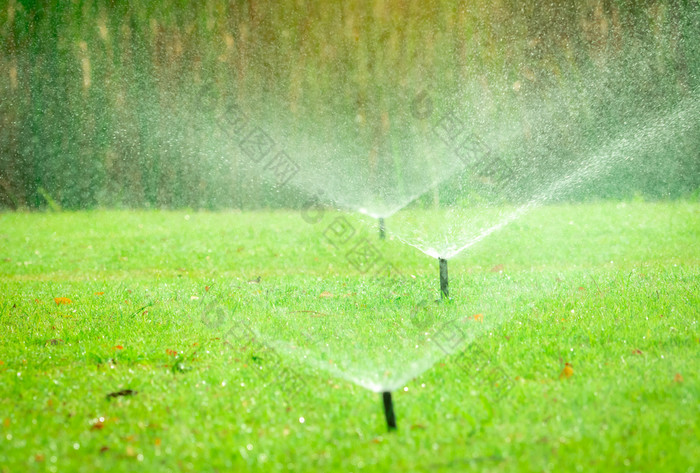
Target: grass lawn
{"x": 192, "y": 341}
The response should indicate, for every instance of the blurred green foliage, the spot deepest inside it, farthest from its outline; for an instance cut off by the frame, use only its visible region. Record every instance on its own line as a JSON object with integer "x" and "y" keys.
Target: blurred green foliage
{"x": 107, "y": 103}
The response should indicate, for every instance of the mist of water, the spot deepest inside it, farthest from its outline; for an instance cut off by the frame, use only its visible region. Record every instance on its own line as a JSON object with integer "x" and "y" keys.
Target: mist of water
{"x": 446, "y": 232}
{"x": 452, "y": 163}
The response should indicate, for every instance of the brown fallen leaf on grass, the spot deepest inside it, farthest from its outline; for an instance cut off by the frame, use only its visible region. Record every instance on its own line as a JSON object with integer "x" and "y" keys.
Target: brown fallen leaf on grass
{"x": 99, "y": 293}
{"x": 478, "y": 317}
{"x": 325, "y": 294}
{"x": 567, "y": 372}
{"x": 104, "y": 449}
{"x": 678, "y": 378}
{"x": 62, "y": 300}
{"x": 496, "y": 269}
{"x": 54, "y": 341}
{"x": 312, "y": 313}
{"x": 117, "y": 347}
{"x": 123, "y": 392}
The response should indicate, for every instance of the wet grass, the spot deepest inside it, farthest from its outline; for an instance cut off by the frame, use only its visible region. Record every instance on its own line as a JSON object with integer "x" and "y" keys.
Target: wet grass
{"x": 610, "y": 288}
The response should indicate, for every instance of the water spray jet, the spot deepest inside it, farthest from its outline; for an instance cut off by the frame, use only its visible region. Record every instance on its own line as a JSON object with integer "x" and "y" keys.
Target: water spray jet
{"x": 444, "y": 281}
{"x": 389, "y": 411}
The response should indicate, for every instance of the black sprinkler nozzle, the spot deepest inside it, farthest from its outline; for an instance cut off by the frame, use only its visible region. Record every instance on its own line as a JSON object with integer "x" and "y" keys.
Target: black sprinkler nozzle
{"x": 444, "y": 281}
{"x": 389, "y": 410}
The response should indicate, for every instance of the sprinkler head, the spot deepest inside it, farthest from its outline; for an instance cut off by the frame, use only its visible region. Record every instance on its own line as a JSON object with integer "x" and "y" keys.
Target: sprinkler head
{"x": 444, "y": 280}
{"x": 389, "y": 411}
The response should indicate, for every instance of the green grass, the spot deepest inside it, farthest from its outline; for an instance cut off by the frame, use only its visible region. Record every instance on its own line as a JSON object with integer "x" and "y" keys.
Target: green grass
{"x": 611, "y": 288}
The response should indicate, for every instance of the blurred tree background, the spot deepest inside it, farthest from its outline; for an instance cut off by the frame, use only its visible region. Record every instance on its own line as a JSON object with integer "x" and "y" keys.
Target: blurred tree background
{"x": 109, "y": 103}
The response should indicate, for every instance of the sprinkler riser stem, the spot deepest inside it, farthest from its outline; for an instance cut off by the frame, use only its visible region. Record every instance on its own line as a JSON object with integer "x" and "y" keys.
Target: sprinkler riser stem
{"x": 444, "y": 280}
{"x": 382, "y": 229}
{"x": 389, "y": 410}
